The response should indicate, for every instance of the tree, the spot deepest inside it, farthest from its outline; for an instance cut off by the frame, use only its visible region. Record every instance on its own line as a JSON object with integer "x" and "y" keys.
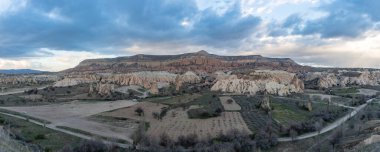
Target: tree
{"x": 165, "y": 140}
{"x": 139, "y": 111}
{"x": 230, "y": 101}
{"x": 188, "y": 141}
{"x": 265, "y": 140}
{"x": 139, "y": 134}
{"x": 156, "y": 115}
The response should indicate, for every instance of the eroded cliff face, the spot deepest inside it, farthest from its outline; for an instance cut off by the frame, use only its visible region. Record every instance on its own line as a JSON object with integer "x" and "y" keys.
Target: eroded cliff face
{"x": 152, "y": 80}
{"x": 273, "y": 82}
{"x": 342, "y": 78}
{"x": 197, "y": 62}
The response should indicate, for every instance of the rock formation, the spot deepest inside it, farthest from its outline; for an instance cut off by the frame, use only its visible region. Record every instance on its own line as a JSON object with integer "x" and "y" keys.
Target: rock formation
{"x": 198, "y": 62}
{"x": 341, "y": 78}
{"x": 72, "y": 82}
{"x": 28, "y": 79}
{"x": 152, "y": 80}
{"x": 273, "y": 82}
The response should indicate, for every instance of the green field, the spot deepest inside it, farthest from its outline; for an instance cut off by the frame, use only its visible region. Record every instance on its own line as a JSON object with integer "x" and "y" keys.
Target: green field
{"x": 344, "y": 91}
{"x": 286, "y": 111}
{"x": 47, "y": 139}
{"x": 175, "y": 100}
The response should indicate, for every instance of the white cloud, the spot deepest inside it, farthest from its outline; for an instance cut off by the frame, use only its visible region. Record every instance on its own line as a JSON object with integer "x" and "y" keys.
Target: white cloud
{"x": 56, "y": 60}
{"x": 11, "y": 5}
{"x": 55, "y": 14}
{"x": 361, "y": 52}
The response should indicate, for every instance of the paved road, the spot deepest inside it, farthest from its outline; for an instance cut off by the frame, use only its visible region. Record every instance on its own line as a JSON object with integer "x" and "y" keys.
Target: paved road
{"x": 52, "y": 126}
{"x": 330, "y": 126}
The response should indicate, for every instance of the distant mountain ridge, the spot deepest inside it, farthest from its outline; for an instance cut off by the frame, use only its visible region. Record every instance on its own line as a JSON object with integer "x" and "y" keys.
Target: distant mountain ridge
{"x": 201, "y": 61}
{"x": 20, "y": 71}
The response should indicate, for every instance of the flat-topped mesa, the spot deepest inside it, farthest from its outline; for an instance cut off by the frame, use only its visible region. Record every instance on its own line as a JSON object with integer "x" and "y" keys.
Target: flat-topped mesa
{"x": 198, "y": 62}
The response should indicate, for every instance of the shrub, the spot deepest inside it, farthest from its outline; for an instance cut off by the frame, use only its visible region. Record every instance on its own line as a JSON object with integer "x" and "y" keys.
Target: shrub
{"x": 266, "y": 140}
{"x": 165, "y": 140}
{"x": 230, "y": 101}
{"x": 188, "y": 141}
{"x": 139, "y": 111}
{"x": 39, "y": 137}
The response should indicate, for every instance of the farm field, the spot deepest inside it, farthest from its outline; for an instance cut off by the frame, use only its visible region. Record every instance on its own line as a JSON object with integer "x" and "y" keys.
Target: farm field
{"x": 74, "y": 115}
{"x": 203, "y": 128}
{"x": 175, "y": 100}
{"x": 229, "y": 103}
{"x": 285, "y": 112}
{"x": 177, "y": 122}
{"x": 254, "y": 117}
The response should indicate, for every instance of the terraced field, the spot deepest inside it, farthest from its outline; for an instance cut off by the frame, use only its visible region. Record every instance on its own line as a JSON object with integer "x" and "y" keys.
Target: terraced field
{"x": 254, "y": 117}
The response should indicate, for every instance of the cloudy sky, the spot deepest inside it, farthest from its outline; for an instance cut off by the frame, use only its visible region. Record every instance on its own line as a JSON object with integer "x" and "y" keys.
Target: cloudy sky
{"x": 55, "y": 35}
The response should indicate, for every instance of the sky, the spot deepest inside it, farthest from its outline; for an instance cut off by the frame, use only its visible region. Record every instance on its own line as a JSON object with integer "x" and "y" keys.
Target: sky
{"x": 55, "y": 35}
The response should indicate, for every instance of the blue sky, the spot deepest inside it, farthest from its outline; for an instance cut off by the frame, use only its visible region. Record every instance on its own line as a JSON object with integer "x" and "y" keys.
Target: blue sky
{"x": 55, "y": 35}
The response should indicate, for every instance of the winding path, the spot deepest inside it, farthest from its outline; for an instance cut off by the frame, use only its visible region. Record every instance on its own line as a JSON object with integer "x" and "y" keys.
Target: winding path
{"x": 328, "y": 127}
{"x": 19, "y": 90}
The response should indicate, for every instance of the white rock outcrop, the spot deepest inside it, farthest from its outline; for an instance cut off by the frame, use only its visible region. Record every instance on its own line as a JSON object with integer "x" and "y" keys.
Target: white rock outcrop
{"x": 72, "y": 82}
{"x": 28, "y": 79}
{"x": 343, "y": 78}
{"x": 152, "y": 80}
{"x": 273, "y": 82}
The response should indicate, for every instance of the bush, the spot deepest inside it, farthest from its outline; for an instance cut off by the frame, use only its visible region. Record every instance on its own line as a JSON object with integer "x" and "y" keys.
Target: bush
{"x": 202, "y": 113}
{"x": 39, "y": 137}
{"x": 187, "y": 141}
{"x": 266, "y": 140}
{"x": 139, "y": 111}
{"x": 165, "y": 140}
{"x": 230, "y": 101}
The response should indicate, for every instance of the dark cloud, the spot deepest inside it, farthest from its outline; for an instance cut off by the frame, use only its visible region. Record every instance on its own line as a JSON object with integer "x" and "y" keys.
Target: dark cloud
{"x": 339, "y": 23}
{"x": 345, "y": 19}
{"x": 96, "y": 25}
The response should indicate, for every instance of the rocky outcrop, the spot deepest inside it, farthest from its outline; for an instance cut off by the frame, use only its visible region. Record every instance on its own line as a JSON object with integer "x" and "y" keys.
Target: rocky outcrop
{"x": 342, "y": 78}
{"x": 72, "y": 82}
{"x": 272, "y": 82}
{"x": 28, "y": 79}
{"x": 188, "y": 77}
{"x": 105, "y": 88}
{"x": 106, "y": 83}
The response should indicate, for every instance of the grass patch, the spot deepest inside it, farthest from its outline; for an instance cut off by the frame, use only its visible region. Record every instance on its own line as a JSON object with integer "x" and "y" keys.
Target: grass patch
{"x": 209, "y": 106}
{"x": 344, "y": 91}
{"x": 26, "y": 116}
{"x": 31, "y": 133}
{"x": 286, "y": 114}
{"x": 175, "y": 100}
